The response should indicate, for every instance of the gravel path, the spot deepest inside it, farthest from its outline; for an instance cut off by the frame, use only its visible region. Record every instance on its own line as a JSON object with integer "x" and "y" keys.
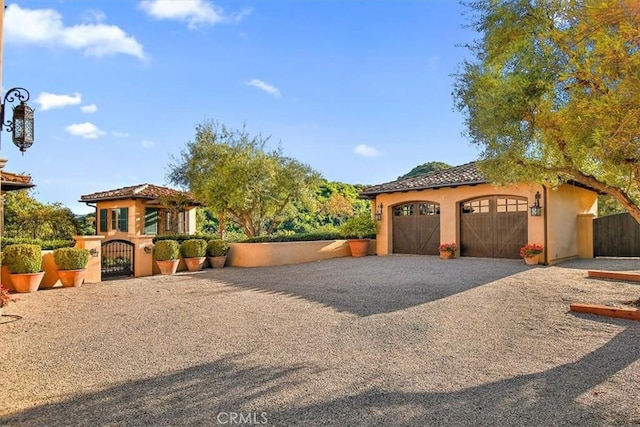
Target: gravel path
{"x": 389, "y": 341}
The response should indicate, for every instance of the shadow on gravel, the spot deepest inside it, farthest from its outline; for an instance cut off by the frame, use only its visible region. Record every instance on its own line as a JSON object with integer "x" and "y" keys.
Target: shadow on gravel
{"x": 198, "y": 395}
{"x": 372, "y": 285}
{"x": 609, "y": 264}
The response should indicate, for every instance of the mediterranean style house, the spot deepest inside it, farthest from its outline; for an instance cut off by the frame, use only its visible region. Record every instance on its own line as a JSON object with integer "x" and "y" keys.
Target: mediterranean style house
{"x": 460, "y": 205}
{"x": 143, "y": 209}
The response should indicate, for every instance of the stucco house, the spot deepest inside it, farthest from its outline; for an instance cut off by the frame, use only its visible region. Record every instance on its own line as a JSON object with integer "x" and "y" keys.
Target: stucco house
{"x": 460, "y": 205}
{"x": 144, "y": 209}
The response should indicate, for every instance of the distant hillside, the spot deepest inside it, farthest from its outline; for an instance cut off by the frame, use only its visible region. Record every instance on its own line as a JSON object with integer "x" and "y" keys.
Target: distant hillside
{"x": 425, "y": 167}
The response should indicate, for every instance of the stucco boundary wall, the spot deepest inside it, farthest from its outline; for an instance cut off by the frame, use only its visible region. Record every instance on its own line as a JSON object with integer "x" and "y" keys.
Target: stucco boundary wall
{"x": 284, "y": 253}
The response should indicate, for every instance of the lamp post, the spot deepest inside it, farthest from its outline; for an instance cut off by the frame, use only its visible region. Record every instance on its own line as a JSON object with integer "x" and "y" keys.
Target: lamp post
{"x": 21, "y": 123}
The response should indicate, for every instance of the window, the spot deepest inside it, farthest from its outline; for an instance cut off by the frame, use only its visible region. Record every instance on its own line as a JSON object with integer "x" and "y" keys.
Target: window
{"x": 476, "y": 207}
{"x": 511, "y": 205}
{"x": 176, "y": 222}
{"x": 429, "y": 209}
{"x": 404, "y": 210}
{"x": 120, "y": 219}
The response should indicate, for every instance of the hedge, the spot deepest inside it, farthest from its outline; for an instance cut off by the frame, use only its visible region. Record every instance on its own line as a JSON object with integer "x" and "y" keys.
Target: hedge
{"x": 44, "y": 244}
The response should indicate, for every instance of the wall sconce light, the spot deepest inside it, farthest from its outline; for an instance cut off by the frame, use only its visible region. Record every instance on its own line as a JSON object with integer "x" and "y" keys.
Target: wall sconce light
{"x": 378, "y": 214}
{"x": 94, "y": 252}
{"x": 21, "y": 124}
{"x": 148, "y": 249}
{"x": 536, "y": 209}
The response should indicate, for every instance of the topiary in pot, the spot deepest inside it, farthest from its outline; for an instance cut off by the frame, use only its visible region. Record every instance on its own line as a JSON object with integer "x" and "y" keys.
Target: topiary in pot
{"x": 217, "y": 250}
{"x": 71, "y": 258}
{"x": 193, "y": 248}
{"x": 167, "y": 253}
{"x": 193, "y": 251}
{"x": 166, "y": 250}
{"x": 72, "y": 265}
{"x": 25, "y": 263}
{"x": 358, "y": 230}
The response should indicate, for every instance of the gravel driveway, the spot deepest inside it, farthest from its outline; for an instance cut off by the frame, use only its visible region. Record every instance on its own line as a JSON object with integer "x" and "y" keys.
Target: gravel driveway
{"x": 389, "y": 341}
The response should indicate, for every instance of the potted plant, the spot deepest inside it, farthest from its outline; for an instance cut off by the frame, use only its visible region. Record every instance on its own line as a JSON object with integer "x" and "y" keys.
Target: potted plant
{"x": 217, "y": 250}
{"x": 447, "y": 250}
{"x": 72, "y": 265}
{"x": 25, "y": 264}
{"x": 531, "y": 253}
{"x": 5, "y": 298}
{"x": 167, "y": 254}
{"x": 358, "y": 230}
{"x": 194, "y": 252}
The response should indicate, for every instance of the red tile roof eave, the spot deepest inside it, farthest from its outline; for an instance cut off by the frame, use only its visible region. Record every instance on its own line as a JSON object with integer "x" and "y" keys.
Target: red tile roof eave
{"x": 127, "y": 197}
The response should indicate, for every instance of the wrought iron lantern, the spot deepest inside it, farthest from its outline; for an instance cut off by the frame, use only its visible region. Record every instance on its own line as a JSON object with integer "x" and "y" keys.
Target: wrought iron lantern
{"x": 378, "y": 214}
{"x": 536, "y": 209}
{"x": 21, "y": 124}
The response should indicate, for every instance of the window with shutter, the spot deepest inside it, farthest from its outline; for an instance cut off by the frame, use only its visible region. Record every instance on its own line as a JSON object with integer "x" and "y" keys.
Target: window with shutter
{"x": 123, "y": 224}
{"x": 151, "y": 221}
{"x": 103, "y": 220}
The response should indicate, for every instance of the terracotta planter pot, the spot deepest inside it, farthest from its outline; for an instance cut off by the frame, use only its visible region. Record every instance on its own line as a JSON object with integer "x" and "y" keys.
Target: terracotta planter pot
{"x": 28, "y": 282}
{"x": 194, "y": 264}
{"x": 446, "y": 254}
{"x": 70, "y": 278}
{"x": 217, "y": 261}
{"x": 359, "y": 247}
{"x": 168, "y": 267}
{"x": 532, "y": 260}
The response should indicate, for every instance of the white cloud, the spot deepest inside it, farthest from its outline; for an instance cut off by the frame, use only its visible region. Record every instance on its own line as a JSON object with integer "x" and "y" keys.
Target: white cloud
{"x": 45, "y": 27}
{"x": 120, "y": 134}
{"x": 195, "y": 13}
{"x": 85, "y": 130}
{"x": 50, "y": 101}
{"x": 92, "y": 108}
{"x": 147, "y": 144}
{"x": 270, "y": 89}
{"x": 366, "y": 151}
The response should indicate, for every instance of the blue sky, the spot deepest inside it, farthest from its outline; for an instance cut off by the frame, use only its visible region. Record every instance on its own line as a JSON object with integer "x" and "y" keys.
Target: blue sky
{"x": 359, "y": 90}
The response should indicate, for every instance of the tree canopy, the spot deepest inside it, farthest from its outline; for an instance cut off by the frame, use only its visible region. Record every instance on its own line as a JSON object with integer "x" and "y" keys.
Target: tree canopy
{"x": 551, "y": 94}
{"x": 234, "y": 174}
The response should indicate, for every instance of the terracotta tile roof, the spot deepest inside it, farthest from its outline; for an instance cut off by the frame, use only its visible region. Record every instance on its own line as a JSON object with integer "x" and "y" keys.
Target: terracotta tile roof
{"x": 142, "y": 191}
{"x": 466, "y": 174}
{"x": 15, "y": 181}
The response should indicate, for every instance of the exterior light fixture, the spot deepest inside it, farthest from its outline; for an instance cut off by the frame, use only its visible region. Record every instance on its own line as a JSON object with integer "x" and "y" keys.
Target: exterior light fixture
{"x": 21, "y": 124}
{"x": 536, "y": 209}
{"x": 94, "y": 252}
{"x": 378, "y": 214}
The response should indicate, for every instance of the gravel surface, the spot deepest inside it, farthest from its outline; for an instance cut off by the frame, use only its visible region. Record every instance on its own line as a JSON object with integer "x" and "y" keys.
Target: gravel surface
{"x": 389, "y": 341}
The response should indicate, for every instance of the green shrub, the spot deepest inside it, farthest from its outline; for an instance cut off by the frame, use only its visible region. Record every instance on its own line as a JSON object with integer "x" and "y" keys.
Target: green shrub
{"x": 71, "y": 258}
{"x": 182, "y": 237}
{"x": 193, "y": 248}
{"x": 301, "y": 237}
{"x": 44, "y": 244}
{"x": 166, "y": 250}
{"x": 359, "y": 227}
{"x": 217, "y": 247}
{"x": 23, "y": 258}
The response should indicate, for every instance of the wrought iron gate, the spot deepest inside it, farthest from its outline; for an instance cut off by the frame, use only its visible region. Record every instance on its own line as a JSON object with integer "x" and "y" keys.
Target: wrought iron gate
{"x": 117, "y": 258}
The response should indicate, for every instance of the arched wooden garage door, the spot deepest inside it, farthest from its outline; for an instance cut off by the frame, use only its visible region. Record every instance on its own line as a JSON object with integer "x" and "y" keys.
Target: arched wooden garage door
{"x": 493, "y": 226}
{"x": 416, "y": 228}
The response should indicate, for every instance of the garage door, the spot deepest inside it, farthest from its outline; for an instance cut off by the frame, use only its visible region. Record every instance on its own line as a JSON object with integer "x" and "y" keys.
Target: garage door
{"x": 416, "y": 228}
{"x": 494, "y": 227}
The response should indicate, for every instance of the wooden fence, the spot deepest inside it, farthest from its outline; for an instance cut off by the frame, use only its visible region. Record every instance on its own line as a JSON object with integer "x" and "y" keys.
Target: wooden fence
{"x": 616, "y": 235}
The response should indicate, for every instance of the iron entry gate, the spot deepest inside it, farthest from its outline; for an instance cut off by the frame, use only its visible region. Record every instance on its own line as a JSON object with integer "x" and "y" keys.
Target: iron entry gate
{"x": 117, "y": 258}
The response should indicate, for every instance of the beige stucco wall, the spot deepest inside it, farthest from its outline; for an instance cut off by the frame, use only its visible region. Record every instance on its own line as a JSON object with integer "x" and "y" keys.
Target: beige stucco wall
{"x": 449, "y": 200}
{"x": 283, "y": 253}
{"x": 564, "y": 204}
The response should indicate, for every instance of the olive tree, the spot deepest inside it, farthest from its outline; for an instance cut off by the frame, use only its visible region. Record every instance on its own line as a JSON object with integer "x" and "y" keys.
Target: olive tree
{"x": 551, "y": 93}
{"x": 234, "y": 174}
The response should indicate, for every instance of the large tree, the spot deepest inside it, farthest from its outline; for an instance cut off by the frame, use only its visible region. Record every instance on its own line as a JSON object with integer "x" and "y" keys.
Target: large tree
{"x": 235, "y": 175}
{"x": 553, "y": 93}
